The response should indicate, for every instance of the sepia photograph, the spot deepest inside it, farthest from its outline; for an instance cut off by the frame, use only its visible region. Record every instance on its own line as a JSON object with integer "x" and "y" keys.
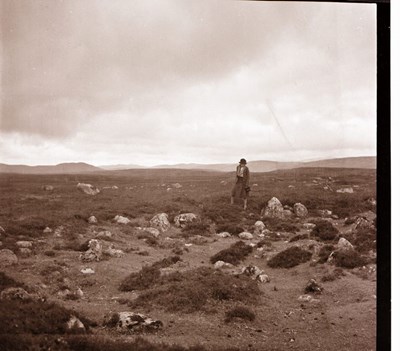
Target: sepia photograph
{"x": 189, "y": 175}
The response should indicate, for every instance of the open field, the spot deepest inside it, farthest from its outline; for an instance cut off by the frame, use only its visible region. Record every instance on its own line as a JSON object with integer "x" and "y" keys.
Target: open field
{"x": 171, "y": 277}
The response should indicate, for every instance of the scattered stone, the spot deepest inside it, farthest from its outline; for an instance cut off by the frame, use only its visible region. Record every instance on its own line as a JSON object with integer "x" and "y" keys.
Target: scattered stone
{"x": 309, "y": 225}
{"x": 224, "y": 182}
{"x": 335, "y": 216}
{"x": 48, "y": 187}
{"x": 75, "y": 325}
{"x": 88, "y": 189}
{"x": 313, "y": 287}
{"x": 259, "y": 226}
{"x": 121, "y": 219}
{"x": 176, "y": 186}
{"x": 23, "y": 243}
{"x": 263, "y": 278}
{"x": 47, "y": 230}
{"x": 287, "y": 213}
{"x": 291, "y": 186}
{"x": 92, "y": 220}
{"x": 161, "y": 222}
{"x": 222, "y": 264}
{"x": 79, "y": 293}
{"x": 114, "y": 187}
{"x": 2, "y": 231}
{"x": 133, "y": 321}
{"x": 58, "y": 231}
{"x": 325, "y": 213}
{"x": 252, "y": 271}
{"x": 274, "y": 209}
{"x": 224, "y": 235}
{"x": 246, "y": 236}
{"x": 14, "y": 293}
{"x": 344, "y": 245}
{"x": 169, "y": 189}
{"x": 307, "y": 298}
{"x": 153, "y": 231}
{"x": 7, "y": 258}
{"x": 300, "y": 210}
{"x": 255, "y": 184}
{"x": 25, "y": 252}
{"x": 372, "y": 201}
{"x": 345, "y": 190}
{"x": 183, "y": 219}
{"x": 87, "y": 271}
{"x": 111, "y": 251}
{"x": 105, "y": 234}
{"x": 94, "y": 252}
{"x": 362, "y": 223}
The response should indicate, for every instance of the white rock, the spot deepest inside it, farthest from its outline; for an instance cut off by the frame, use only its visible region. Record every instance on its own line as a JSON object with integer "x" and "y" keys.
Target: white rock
{"x": 309, "y": 225}
{"x": 47, "y": 230}
{"x": 305, "y": 298}
{"x": 121, "y": 219}
{"x": 104, "y": 234}
{"x": 222, "y": 264}
{"x": 252, "y": 271}
{"x": 246, "y": 236}
{"x": 259, "y": 226}
{"x": 92, "y": 220}
{"x": 263, "y": 278}
{"x": 224, "y": 182}
{"x": 23, "y": 243}
{"x": 87, "y": 270}
{"x": 300, "y": 210}
{"x": 344, "y": 245}
{"x": 274, "y": 209}
{"x": 75, "y": 324}
{"x": 224, "y": 235}
{"x": 153, "y": 231}
{"x": 111, "y": 251}
{"x": 183, "y": 219}
{"x": 114, "y": 187}
{"x": 345, "y": 190}
{"x": 176, "y": 186}
{"x": 135, "y": 321}
{"x": 160, "y": 221}
{"x": 94, "y": 253}
{"x": 48, "y": 187}
{"x": 87, "y": 189}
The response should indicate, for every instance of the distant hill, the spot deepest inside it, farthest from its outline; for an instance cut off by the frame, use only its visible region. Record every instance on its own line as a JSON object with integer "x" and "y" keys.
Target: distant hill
{"x": 268, "y": 166}
{"x": 346, "y": 162}
{"x": 62, "y": 168}
{"x": 255, "y": 166}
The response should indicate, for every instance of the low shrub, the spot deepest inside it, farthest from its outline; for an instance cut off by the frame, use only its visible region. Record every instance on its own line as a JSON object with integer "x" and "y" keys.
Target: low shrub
{"x": 192, "y": 290}
{"x": 233, "y": 254}
{"x": 336, "y": 274}
{"x": 147, "y": 276}
{"x": 240, "y": 312}
{"x": 35, "y": 317}
{"x": 349, "y": 259}
{"x": 299, "y": 237}
{"x": 148, "y": 238}
{"x": 290, "y": 257}
{"x": 324, "y": 230}
{"x": 279, "y": 225}
{"x": 8, "y": 282}
{"x": 196, "y": 228}
{"x": 365, "y": 240}
{"x": 264, "y": 242}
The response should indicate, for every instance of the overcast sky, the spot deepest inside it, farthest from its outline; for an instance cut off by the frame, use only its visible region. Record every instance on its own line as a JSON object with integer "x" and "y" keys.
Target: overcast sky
{"x": 151, "y": 82}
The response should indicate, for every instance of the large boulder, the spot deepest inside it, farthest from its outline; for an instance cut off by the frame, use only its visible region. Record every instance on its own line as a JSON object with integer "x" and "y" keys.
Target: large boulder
{"x": 300, "y": 210}
{"x": 87, "y": 189}
{"x": 344, "y": 245}
{"x": 160, "y": 221}
{"x": 7, "y": 258}
{"x": 183, "y": 219}
{"x": 94, "y": 252}
{"x": 132, "y": 321}
{"x": 274, "y": 209}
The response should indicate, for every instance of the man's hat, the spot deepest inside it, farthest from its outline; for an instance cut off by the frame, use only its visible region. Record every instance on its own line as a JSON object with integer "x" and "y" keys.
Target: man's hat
{"x": 242, "y": 160}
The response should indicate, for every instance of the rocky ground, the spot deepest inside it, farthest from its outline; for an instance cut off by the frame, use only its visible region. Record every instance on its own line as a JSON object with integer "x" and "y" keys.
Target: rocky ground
{"x": 159, "y": 260}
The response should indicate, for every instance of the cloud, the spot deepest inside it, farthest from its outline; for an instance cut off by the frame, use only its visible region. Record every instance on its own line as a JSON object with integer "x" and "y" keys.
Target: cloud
{"x": 187, "y": 81}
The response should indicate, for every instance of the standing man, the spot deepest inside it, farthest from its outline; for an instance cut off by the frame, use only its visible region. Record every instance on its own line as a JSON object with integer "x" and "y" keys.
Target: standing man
{"x": 241, "y": 187}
